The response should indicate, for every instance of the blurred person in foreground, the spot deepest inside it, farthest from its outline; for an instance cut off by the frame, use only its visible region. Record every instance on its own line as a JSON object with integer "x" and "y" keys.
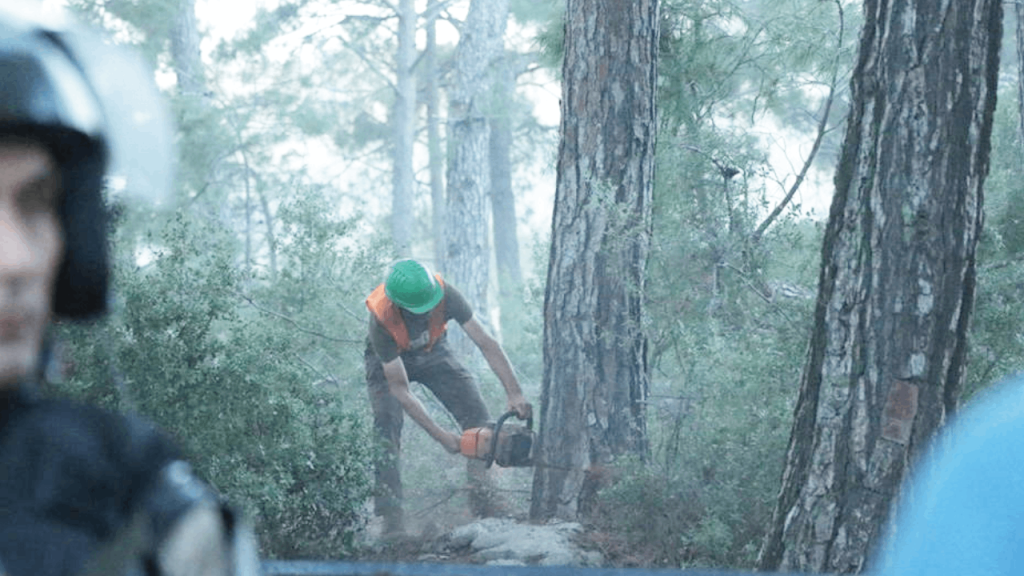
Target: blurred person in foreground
{"x": 406, "y": 343}
{"x": 82, "y": 490}
{"x": 963, "y": 510}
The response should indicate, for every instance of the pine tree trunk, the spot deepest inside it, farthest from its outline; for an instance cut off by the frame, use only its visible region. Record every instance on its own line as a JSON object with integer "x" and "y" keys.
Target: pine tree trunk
{"x": 437, "y": 196}
{"x": 1019, "y": 12}
{"x": 403, "y": 119}
{"x": 595, "y": 379}
{"x": 268, "y": 218}
{"x": 185, "y": 53}
{"x": 468, "y": 257}
{"x": 887, "y": 352}
{"x": 503, "y": 201}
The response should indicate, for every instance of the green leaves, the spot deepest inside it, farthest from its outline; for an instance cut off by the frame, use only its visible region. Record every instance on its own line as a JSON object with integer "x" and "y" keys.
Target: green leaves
{"x": 254, "y": 400}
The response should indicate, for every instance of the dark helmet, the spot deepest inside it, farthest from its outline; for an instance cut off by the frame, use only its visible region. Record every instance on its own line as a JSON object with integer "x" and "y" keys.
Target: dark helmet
{"x": 50, "y": 92}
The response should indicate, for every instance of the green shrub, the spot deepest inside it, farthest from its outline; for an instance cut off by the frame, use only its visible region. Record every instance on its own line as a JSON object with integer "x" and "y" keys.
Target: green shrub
{"x": 718, "y": 436}
{"x": 230, "y": 368}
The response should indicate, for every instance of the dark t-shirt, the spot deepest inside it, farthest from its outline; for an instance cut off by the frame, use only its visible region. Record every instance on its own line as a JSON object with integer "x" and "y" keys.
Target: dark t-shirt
{"x": 455, "y": 308}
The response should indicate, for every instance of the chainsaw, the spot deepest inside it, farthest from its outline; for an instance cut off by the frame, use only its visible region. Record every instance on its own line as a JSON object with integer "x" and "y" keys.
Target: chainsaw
{"x": 507, "y": 445}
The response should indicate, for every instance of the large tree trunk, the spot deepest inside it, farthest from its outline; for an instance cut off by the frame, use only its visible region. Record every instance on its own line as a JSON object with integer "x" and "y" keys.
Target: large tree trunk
{"x": 467, "y": 259}
{"x": 1019, "y": 12}
{"x": 403, "y": 125}
{"x": 595, "y": 352}
{"x": 436, "y": 157}
{"x": 887, "y": 353}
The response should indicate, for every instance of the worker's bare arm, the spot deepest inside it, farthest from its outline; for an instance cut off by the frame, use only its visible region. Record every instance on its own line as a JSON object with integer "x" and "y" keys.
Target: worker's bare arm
{"x": 398, "y": 385}
{"x": 501, "y": 367}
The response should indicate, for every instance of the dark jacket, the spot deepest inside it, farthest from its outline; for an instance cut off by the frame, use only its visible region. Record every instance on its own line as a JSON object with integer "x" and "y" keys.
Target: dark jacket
{"x": 72, "y": 476}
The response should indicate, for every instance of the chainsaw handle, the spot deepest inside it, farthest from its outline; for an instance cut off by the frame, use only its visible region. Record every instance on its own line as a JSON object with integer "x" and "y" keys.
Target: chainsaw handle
{"x": 506, "y": 415}
{"x": 489, "y": 458}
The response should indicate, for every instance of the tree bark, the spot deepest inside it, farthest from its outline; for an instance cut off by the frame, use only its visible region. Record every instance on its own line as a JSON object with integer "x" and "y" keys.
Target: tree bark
{"x": 503, "y": 201}
{"x": 268, "y": 216}
{"x": 403, "y": 125}
{"x": 595, "y": 381}
{"x": 1019, "y": 12}
{"x": 436, "y": 157}
{"x": 467, "y": 258}
{"x": 888, "y": 349}
{"x": 185, "y": 52}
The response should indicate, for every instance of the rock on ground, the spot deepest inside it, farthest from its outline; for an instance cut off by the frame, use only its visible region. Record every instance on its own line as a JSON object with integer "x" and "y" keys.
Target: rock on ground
{"x": 504, "y": 541}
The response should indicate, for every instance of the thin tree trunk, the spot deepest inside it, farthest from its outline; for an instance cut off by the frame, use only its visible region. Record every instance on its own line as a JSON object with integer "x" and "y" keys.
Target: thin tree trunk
{"x": 437, "y": 199}
{"x": 595, "y": 381}
{"x": 822, "y": 129}
{"x": 888, "y": 349}
{"x": 403, "y": 119}
{"x": 268, "y": 217}
{"x": 185, "y": 53}
{"x": 503, "y": 201}
{"x": 467, "y": 258}
{"x": 246, "y": 176}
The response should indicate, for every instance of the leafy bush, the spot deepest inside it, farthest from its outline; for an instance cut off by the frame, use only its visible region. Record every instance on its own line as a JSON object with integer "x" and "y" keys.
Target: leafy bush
{"x": 259, "y": 403}
{"x": 728, "y": 321}
{"x": 718, "y": 434}
{"x": 996, "y": 338}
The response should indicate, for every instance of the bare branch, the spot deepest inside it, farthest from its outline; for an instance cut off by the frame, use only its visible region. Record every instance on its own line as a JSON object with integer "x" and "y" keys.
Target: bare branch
{"x": 755, "y": 238}
{"x": 314, "y": 369}
{"x": 359, "y": 52}
{"x": 294, "y": 323}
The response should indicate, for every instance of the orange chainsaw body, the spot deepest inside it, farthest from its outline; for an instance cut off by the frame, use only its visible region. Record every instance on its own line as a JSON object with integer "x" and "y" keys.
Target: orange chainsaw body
{"x": 506, "y": 445}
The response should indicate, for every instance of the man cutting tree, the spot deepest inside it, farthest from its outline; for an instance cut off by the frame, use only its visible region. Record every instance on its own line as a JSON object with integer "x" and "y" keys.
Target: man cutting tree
{"x": 409, "y": 314}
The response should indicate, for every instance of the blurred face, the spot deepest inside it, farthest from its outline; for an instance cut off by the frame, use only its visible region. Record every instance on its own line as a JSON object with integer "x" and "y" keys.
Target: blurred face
{"x": 31, "y": 247}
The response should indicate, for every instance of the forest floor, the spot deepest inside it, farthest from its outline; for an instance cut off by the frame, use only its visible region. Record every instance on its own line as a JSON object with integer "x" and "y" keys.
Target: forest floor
{"x": 440, "y": 528}
{"x": 494, "y": 541}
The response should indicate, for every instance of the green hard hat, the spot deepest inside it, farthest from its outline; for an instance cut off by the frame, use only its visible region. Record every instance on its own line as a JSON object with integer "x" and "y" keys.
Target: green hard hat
{"x": 411, "y": 286}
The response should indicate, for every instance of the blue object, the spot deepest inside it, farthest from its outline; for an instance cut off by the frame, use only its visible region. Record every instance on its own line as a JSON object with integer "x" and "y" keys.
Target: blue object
{"x": 963, "y": 513}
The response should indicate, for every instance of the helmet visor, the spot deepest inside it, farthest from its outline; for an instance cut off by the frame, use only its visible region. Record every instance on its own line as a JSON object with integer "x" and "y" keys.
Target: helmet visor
{"x": 97, "y": 89}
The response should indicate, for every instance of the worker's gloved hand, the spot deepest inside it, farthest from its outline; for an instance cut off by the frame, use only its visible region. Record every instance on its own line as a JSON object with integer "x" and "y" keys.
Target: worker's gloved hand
{"x": 522, "y": 408}
{"x": 451, "y": 442}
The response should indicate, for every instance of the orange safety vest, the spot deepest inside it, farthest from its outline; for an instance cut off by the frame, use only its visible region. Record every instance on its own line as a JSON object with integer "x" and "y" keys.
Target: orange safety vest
{"x": 386, "y": 312}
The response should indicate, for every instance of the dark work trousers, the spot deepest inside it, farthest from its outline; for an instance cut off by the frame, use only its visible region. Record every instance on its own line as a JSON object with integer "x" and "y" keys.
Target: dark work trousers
{"x": 456, "y": 388}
